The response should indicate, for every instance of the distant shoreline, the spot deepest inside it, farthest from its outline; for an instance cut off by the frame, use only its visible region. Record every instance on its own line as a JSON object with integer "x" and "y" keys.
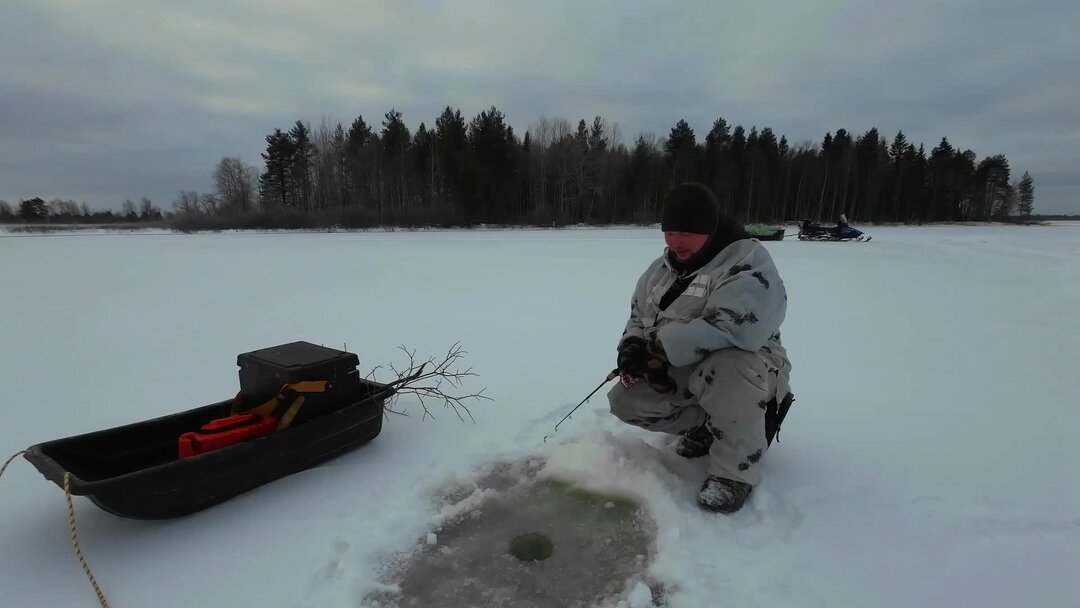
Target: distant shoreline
{"x": 163, "y": 228}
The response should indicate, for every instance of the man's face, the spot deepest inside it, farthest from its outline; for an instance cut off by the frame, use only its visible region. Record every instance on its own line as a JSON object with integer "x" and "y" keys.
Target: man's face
{"x": 685, "y": 244}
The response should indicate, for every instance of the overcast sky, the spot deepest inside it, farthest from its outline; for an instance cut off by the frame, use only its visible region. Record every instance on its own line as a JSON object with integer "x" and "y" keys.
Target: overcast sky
{"x": 104, "y": 100}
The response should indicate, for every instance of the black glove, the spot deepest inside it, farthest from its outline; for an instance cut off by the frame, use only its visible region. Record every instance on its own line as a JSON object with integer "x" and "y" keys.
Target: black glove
{"x": 640, "y": 360}
{"x": 656, "y": 372}
{"x": 633, "y": 357}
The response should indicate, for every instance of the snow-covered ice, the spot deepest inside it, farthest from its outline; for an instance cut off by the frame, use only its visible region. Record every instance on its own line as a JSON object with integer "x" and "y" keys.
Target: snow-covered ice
{"x": 929, "y": 458}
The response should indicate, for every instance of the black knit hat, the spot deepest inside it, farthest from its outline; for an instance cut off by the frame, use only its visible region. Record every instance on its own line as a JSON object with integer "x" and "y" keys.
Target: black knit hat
{"x": 690, "y": 207}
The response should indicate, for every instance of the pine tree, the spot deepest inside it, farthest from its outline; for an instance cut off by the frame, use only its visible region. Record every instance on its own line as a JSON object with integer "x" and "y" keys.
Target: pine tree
{"x": 451, "y": 142}
{"x": 423, "y": 153}
{"x": 395, "y": 140}
{"x": 339, "y": 144}
{"x": 869, "y": 165}
{"x": 34, "y": 209}
{"x": 493, "y": 146}
{"x": 276, "y": 183}
{"x": 898, "y": 147}
{"x": 899, "y": 157}
{"x": 717, "y": 171}
{"x": 359, "y": 134}
{"x": 596, "y": 166}
{"x": 360, "y": 162}
{"x": 964, "y": 187}
{"x": 302, "y": 161}
{"x": 681, "y": 150}
{"x": 942, "y": 182}
{"x": 1026, "y": 194}
{"x": 737, "y": 156}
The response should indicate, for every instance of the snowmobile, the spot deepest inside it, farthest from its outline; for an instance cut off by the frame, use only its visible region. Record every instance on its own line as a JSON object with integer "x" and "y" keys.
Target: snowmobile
{"x": 810, "y": 230}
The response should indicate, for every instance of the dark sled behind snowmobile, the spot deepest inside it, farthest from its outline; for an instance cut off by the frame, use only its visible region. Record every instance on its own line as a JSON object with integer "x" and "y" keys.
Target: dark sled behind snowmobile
{"x": 764, "y": 232}
{"x": 139, "y": 470}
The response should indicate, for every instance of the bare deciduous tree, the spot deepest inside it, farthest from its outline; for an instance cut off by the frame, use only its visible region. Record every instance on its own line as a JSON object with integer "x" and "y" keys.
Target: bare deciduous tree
{"x": 237, "y": 183}
{"x": 62, "y": 207}
{"x": 428, "y": 381}
{"x": 149, "y": 210}
{"x": 187, "y": 203}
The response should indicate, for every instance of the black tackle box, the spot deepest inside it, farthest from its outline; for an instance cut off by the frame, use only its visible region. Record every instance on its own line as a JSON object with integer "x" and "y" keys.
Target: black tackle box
{"x": 263, "y": 372}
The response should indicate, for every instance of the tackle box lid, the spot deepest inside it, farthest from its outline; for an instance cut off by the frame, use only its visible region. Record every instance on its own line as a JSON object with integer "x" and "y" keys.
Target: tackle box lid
{"x": 296, "y": 356}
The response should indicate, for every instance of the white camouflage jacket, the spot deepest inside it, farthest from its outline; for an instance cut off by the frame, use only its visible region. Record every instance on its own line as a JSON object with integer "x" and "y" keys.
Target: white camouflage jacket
{"x": 737, "y": 299}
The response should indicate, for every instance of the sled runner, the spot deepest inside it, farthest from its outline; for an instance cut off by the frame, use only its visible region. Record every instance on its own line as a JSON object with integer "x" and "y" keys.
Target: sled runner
{"x": 813, "y": 231}
{"x": 299, "y": 404}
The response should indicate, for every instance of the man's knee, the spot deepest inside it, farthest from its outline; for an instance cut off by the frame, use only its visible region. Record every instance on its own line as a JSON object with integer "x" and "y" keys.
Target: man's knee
{"x": 623, "y": 405}
{"x": 726, "y": 357}
{"x": 729, "y": 368}
{"x": 633, "y": 405}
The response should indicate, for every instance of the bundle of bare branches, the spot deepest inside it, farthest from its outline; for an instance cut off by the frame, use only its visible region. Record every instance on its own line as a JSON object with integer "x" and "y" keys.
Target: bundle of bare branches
{"x": 429, "y": 381}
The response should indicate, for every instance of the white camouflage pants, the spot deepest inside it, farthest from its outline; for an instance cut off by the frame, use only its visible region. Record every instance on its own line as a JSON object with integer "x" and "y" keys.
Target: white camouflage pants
{"x": 728, "y": 391}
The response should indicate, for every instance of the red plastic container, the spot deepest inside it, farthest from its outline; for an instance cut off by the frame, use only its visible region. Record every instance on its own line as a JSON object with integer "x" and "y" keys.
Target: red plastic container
{"x": 225, "y": 431}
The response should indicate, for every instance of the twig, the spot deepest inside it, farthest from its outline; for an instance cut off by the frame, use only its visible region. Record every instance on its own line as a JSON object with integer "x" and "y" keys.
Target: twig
{"x": 425, "y": 383}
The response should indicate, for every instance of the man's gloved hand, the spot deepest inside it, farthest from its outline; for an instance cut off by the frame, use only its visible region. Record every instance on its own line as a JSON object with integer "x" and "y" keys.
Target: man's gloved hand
{"x": 633, "y": 357}
{"x": 656, "y": 371}
{"x": 661, "y": 381}
{"x": 640, "y": 360}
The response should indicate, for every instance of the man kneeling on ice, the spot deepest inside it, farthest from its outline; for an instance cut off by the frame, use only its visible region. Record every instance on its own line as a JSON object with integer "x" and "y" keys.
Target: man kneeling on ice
{"x": 701, "y": 355}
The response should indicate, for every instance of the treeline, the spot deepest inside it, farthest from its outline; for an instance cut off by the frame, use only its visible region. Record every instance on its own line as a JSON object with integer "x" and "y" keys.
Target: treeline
{"x": 465, "y": 172}
{"x": 459, "y": 172}
{"x": 59, "y": 211}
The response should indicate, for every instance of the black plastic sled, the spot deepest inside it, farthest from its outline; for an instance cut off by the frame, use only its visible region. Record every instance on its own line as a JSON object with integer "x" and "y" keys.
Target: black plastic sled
{"x": 813, "y": 231}
{"x": 182, "y": 463}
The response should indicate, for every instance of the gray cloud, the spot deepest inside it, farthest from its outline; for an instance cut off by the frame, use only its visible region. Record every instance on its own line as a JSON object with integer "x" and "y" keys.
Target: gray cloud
{"x": 119, "y": 99}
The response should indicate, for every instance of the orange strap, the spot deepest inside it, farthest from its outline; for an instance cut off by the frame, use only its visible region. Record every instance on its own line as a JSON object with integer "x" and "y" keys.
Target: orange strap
{"x": 286, "y": 403}
{"x": 307, "y": 386}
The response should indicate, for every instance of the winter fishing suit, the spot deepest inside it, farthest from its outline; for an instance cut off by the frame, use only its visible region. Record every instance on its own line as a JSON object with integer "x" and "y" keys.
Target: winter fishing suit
{"x": 719, "y": 327}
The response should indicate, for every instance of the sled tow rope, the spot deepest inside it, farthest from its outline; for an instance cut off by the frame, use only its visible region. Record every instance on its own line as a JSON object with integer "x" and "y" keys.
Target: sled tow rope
{"x": 74, "y": 533}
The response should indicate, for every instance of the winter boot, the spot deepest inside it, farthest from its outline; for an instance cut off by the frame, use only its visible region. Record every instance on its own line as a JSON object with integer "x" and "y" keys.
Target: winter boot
{"x": 723, "y": 495}
{"x": 695, "y": 442}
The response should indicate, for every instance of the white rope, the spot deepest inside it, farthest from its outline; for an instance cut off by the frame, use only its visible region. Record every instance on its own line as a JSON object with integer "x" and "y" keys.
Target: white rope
{"x": 75, "y": 542}
{"x": 74, "y": 534}
{"x": 9, "y": 460}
